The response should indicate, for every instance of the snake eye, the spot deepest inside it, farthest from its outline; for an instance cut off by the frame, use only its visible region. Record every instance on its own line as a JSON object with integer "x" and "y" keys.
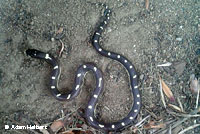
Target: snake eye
{"x": 32, "y": 52}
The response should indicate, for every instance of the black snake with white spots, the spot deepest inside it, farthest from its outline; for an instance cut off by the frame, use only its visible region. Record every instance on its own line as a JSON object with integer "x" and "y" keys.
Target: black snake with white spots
{"x": 83, "y": 69}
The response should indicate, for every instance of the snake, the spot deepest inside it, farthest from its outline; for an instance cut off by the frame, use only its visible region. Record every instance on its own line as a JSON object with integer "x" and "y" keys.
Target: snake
{"x": 80, "y": 74}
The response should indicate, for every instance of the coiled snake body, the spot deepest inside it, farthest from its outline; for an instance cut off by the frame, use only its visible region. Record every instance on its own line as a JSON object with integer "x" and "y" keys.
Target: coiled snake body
{"x": 81, "y": 71}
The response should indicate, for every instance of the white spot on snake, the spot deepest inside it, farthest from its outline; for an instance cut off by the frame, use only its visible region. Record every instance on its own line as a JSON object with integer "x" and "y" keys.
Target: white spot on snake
{"x": 101, "y": 27}
{"x": 98, "y": 33}
{"x": 135, "y": 110}
{"x": 55, "y": 67}
{"x": 84, "y": 66}
{"x": 95, "y": 69}
{"x": 52, "y": 87}
{"x": 68, "y": 96}
{"x": 100, "y": 79}
{"x": 78, "y": 75}
{"x": 91, "y": 118}
{"x": 108, "y": 17}
{"x": 95, "y": 41}
{"x": 101, "y": 126}
{"x": 95, "y": 96}
{"x": 138, "y": 103}
{"x": 135, "y": 86}
{"x": 100, "y": 49}
{"x": 123, "y": 124}
{"x": 131, "y": 118}
{"x": 47, "y": 57}
{"x": 77, "y": 86}
{"x": 131, "y": 67}
{"x": 118, "y": 56}
{"x": 58, "y": 95}
{"x": 53, "y": 77}
{"x": 109, "y": 53}
{"x": 125, "y": 61}
{"x": 113, "y": 126}
{"x": 105, "y": 22}
{"x": 134, "y": 76}
{"x": 90, "y": 107}
{"x": 106, "y": 7}
{"x": 138, "y": 95}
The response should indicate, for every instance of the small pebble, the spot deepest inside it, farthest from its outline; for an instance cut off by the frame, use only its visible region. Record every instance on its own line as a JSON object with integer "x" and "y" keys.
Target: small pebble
{"x": 179, "y": 39}
{"x": 179, "y": 67}
{"x": 198, "y": 51}
{"x": 52, "y": 39}
{"x": 141, "y": 76}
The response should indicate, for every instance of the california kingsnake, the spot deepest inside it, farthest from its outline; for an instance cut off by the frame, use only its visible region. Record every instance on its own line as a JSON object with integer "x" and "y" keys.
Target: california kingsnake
{"x": 89, "y": 114}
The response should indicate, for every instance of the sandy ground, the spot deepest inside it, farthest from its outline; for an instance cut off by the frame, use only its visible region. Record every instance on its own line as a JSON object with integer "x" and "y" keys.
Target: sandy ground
{"x": 167, "y": 32}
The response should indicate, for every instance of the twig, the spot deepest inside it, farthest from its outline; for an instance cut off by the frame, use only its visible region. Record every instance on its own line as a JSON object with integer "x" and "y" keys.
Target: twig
{"x": 170, "y": 129}
{"x": 147, "y": 4}
{"x": 151, "y": 113}
{"x": 140, "y": 122}
{"x": 47, "y": 124}
{"x": 188, "y": 128}
{"x": 197, "y": 100}
{"x": 180, "y": 121}
{"x": 62, "y": 47}
{"x": 183, "y": 115}
{"x": 161, "y": 93}
{"x": 44, "y": 131}
{"x": 35, "y": 132}
{"x": 180, "y": 104}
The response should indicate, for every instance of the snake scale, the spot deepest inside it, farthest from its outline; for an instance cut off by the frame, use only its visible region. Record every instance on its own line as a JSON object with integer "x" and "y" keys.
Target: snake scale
{"x": 83, "y": 69}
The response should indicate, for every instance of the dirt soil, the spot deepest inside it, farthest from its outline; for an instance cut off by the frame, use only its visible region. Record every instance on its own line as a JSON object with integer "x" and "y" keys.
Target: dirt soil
{"x": 169, "y": 31}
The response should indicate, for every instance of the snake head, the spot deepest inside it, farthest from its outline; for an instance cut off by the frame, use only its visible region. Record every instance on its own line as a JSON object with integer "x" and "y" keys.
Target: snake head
{"x": 33, "y": 53}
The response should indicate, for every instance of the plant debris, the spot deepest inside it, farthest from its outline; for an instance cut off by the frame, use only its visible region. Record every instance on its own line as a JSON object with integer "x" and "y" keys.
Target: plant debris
{"x": 57, "y": 125}
{"x": 167, "y": 90}
{"x": 165, "y": 64}
{"x": 194, "y": 84}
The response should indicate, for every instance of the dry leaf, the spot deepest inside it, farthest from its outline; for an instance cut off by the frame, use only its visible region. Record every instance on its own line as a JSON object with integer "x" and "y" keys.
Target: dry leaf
{"x": 57, "y": 125}
{"x": 175, "y": 107}
{"x": 167, "y": 90}
{"x": 162, "y": 95}
{"x": 194, "y": 84}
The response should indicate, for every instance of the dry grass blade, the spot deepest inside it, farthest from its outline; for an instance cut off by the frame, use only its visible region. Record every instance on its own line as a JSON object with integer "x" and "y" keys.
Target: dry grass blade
{"x": 165, "y": 64}
{"x": 162, "y": 95}
{"x": 152, "y": 124}
{"x": 180, "y": 104}
{"x": 175, "y": 107}
{"x": 179, "y": 122}
{"x": 197, "y": 100}
{"x": 189, "y": 128}
{"x": 147, "y": 4}
{"x": 62, "y": 48}
{"x": 140, "y": 122}
{"x": 167, "y": 91}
